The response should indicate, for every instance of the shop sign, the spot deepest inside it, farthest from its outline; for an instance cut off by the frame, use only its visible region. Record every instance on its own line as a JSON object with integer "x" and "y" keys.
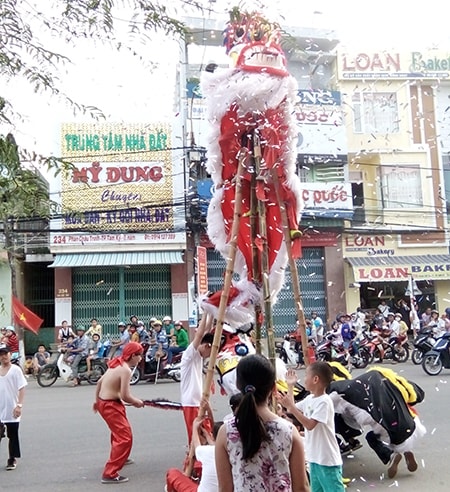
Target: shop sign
{"x": 394, "y": 65}
{"x": 122, "y": 181}
{"x": 320, "y": 123}
{"x": 421, "y": 271}
{"x": 371, "y": 245}
{"x": 328, "y": 200}
{"x": 202, "y": 271}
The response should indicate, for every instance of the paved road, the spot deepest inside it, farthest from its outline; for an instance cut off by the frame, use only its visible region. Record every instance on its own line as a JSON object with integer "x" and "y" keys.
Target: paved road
{"x": 64, "y": 444}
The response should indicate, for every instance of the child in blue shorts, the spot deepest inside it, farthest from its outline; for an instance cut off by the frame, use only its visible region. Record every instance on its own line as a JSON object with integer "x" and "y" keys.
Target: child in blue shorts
{"x": 316, "y": 414}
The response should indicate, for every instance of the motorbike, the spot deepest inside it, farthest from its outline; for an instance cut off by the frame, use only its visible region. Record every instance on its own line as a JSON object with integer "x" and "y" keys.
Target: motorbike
{"x": 383, "y": 348}
{"x": 359, "y": 352}
{"x": 287, "y": 351}
{"x": 423, "y": 343}
{"x": 326, "y": 351}
{"x": 49, "y": 373}
{"x": 156, "y": 368}
{"x": 438, "y": 357}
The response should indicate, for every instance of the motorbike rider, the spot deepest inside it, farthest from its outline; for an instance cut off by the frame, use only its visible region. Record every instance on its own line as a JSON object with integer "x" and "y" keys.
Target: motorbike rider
{"x": 158, "y": 342}
{"x": 11, "y": 339}
{"x": 168, "y": 326}
{"x": 81, "y": 350}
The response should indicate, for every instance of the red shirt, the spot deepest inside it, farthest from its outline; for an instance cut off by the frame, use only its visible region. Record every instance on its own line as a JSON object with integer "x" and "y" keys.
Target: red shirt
{"x": 13, "y": 342}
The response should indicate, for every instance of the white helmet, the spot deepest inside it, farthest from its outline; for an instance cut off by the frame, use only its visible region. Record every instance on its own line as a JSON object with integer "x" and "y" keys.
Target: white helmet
{"x": 11, "y": 328}
{"x": 167, "y": 318}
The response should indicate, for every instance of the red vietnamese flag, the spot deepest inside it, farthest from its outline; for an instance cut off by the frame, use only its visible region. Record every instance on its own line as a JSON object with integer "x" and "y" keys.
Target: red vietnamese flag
{"x": 24, "y": 317}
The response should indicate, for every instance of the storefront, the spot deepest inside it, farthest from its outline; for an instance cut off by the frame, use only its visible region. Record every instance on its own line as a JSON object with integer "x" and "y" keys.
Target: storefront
{"x": 383, "y": 267}
{"x": 119, "y": 244}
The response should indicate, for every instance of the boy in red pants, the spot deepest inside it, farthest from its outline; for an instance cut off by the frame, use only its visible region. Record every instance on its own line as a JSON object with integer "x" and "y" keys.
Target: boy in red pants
{"x": 112, "y": 391}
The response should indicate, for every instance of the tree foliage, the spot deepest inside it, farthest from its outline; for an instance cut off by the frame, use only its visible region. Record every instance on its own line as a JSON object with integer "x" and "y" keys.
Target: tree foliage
{"x": 26, "y": 27}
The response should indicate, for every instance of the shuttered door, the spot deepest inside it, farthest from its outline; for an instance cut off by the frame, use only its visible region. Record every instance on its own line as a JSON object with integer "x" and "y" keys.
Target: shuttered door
{"x": 312, "y": 288}
{"x": 148, "y": 292}
{"x": 312, "y": 284}
{"x": 113, "y": 294}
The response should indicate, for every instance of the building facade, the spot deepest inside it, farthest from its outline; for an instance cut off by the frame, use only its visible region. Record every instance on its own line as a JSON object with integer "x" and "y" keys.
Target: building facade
{"x": 395, "y": 163}
{"x": 120, "y": 238}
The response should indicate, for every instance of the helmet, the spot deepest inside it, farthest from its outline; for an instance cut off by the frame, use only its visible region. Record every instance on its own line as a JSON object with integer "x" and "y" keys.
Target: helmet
{"x": 10, "y": 328}
{"x": 167, "y": 318}
{"x": 4, "y": 349}
{"x": 121, "y": 324}
{"x": 81, "y": 328}
{"x": 157, "y": 322}
{"x": 140, "y": 323}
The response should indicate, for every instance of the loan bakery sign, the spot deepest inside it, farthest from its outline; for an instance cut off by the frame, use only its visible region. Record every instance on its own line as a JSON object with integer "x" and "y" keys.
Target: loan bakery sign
{"x": 420, "y": 271}
{"x": 394, "y": 65}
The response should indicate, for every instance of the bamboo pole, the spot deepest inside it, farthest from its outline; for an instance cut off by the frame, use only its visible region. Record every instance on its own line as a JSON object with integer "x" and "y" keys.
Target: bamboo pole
{"x": 242, "y": 156}
{"x": 256, "y": 266}
{"x": 264, "y": 255}
{"x": 293, "y": 267}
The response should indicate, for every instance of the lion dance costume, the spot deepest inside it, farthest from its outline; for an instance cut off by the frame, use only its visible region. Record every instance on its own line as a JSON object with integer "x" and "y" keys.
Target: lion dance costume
{"x": 253, "y": 97}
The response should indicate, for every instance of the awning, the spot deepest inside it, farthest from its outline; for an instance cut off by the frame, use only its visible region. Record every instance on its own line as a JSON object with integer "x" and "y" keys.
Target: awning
{"x": 76, "y": 260}
{"x": 400, "y": 268}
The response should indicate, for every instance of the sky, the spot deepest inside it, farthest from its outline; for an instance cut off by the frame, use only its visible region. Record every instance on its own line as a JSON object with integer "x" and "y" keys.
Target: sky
{"x": 130, "y": 89}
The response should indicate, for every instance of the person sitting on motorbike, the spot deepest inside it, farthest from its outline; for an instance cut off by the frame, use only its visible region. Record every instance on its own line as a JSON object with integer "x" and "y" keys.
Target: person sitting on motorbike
{"x": 168, "y": 326}
{"x": 433, "y": 324}
{"x": 81, "y": 350}
{"x": 347, "y": 332}
{"x": 67, "y": 348}
{"x": 182, "y": 341}
{"x": 144, "y": 337}
{"x": 403, "y": 331}
{"x": 12, "y": 341}
{"x": 94, "y": 349}
{"x": 134, "y": 335}
{"x": 158, "y": 342}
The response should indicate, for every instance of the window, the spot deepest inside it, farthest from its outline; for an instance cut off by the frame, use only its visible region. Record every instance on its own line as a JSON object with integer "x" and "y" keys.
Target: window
{"x": 401, "y": 186}
{"x": 375, "y": 112}
{"x": 446, "y": 168}
{"x": 325, "y": 172}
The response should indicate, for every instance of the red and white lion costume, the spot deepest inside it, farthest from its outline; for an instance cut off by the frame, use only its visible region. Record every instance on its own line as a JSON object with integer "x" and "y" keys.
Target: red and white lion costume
{"x": 256, "y": 95}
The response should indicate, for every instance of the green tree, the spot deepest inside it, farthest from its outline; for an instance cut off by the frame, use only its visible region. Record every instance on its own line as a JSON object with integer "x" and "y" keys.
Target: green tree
{"x": 27, "y": 27}
{"x": 23, "y": 195}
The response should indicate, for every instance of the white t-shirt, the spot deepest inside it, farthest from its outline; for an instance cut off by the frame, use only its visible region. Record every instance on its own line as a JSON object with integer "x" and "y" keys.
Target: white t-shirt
{"x": 321, "y": 446}
{"x": 191, "y": 384}
{"x": 205, "y": 454}
{"x": 10, "y": 384}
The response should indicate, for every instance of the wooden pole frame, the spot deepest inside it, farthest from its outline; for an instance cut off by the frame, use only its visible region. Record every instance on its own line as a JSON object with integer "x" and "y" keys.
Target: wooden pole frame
{"x": 242, "y": 157}
{"x": 265, "y": 252}
{"x": 292, "y": 265}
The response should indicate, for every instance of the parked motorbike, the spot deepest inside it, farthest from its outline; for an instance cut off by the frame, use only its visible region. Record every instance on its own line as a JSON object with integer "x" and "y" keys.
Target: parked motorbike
{"x": 423, "y": 343}
{"x": 287, "y": 351}
{"x": 327, "y": 352}
{"x": 156, "y": 368}
{"x": 438, "y": 357}
{"x": 49, "y": 373}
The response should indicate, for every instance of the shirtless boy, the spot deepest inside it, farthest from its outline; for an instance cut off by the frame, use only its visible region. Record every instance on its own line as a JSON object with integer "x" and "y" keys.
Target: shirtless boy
{"x": 113, "y": 390}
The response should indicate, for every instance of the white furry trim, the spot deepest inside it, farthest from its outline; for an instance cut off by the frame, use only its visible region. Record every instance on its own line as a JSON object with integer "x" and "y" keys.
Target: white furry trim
{"x": 242, "y": 308}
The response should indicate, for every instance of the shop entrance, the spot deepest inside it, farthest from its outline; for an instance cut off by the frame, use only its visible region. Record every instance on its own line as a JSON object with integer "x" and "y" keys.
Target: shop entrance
{"x": 372, "y": 293}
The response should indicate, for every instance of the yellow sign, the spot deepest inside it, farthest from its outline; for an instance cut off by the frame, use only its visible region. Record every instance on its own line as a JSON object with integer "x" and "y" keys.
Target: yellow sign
{"x": 122, "y": 180}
